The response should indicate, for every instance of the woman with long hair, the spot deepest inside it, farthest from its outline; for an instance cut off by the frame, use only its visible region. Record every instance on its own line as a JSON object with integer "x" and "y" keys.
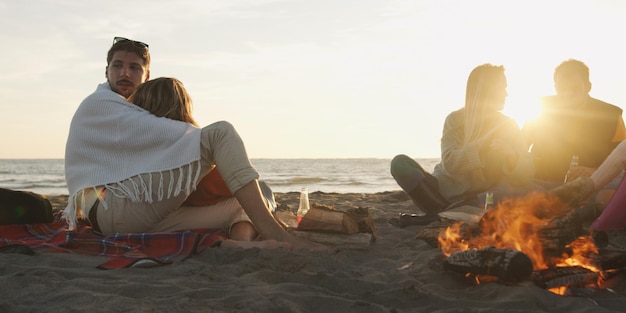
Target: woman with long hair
{"x": 481, "y": 150}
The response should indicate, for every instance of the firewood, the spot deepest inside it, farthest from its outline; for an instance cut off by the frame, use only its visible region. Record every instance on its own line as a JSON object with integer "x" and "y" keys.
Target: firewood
{"x": 506, "y": 264}
{"x": 610, "y": 259}
{"x": 364, "y": 220}
{"x": 323, "y": 218}
{"x": 568, "y": 276}
{"x": 577, "y": 280}
{"x": 559, "y": 232}
{"x": 430, "y": 235}
{"x": 572, "y": 193}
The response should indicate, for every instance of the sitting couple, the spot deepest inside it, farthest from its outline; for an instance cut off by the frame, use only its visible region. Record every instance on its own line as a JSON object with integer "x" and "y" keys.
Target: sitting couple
{"x": 483, "y": 150}
{"x": 134, "y": 157}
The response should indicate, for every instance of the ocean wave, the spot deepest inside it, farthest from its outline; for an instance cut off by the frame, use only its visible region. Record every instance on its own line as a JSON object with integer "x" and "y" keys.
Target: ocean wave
{"x": 37, "y": 185}
{"x": 304, "y": 180}
{"x": 282, "y": 175}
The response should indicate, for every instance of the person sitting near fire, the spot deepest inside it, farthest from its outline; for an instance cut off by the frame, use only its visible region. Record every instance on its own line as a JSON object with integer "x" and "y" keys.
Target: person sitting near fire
{"x": 572, "y": 123}
{"x": 481, "y": 150}
{"x": 613, "y": 216}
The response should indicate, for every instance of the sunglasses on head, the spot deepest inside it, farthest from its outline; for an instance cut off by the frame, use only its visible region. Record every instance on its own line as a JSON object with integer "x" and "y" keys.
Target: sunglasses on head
{"x": 136, "y": 43}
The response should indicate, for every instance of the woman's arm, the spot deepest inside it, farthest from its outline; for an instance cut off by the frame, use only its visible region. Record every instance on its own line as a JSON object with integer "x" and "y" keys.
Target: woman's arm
{"x": 612, "y": 166}
{"x": 456, "y": 157}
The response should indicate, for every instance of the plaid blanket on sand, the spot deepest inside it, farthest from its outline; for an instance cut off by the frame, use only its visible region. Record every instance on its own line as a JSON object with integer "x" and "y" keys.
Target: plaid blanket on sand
{"x": 125, "y": 249}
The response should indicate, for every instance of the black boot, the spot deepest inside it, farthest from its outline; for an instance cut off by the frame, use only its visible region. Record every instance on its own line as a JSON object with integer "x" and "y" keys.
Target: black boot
{"x": 428, "y": 199}
{"x": 408, "y": 219}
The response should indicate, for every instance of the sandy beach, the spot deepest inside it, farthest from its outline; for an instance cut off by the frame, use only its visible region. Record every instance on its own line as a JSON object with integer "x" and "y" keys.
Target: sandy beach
{"x": 398, "y": 273}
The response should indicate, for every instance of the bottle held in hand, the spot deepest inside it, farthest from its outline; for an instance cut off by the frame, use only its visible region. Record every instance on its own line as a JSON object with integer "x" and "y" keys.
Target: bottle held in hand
{"x": 573, "y": 163}
{"x": 303, "y": 208}
{"x": 489, "y": 204}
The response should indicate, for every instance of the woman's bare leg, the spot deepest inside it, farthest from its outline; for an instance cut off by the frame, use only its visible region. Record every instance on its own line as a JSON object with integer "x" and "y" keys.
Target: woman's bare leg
{"x": 251, "y": 199}
{"x": 243, "y": 231}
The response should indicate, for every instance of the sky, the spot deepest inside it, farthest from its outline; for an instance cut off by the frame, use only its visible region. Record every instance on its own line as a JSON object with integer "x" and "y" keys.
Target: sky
{"x": 303, "y": 79}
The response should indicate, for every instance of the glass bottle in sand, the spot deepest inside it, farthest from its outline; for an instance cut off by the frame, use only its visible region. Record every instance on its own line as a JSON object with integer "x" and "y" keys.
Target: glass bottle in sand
{"x": 303, "y": 208}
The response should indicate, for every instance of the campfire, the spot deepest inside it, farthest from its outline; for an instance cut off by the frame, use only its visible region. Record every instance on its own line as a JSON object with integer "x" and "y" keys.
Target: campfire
{"x": 538, "y": 238}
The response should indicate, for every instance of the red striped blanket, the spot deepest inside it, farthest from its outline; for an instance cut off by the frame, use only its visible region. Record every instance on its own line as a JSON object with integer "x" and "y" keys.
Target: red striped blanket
{"x": 125, "y": 249}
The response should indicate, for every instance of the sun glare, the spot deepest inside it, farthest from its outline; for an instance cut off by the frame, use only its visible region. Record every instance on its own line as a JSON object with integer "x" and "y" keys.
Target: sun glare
{"x": 521, "y": 112}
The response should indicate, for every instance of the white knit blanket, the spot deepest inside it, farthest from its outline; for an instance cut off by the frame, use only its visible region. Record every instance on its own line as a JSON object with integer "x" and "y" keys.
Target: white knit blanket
{"x": 112, "y": 140}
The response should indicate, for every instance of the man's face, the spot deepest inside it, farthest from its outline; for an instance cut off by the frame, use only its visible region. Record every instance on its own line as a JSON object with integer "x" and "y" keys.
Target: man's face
{"x": 126, "y": 72}
{"x": 572, "y": 88}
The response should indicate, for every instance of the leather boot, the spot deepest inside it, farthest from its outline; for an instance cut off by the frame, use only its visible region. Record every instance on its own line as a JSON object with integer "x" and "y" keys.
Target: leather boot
{"x": 427, "y": 199}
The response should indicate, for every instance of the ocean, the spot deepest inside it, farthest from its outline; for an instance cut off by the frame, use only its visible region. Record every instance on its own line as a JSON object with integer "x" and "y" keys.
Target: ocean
{"x": 361, "y": 175}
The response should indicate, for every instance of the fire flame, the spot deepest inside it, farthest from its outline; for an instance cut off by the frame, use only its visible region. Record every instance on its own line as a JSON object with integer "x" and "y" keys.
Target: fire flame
{"x": 582, "y": 249}
{"x": 518, "y": 224}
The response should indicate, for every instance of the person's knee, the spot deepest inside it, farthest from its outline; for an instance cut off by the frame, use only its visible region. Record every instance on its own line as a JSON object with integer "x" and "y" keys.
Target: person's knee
{"x": 243, "y": 231}
{"x": 400, "y": 162}
{"x": 225, "y": 126}
{"x": 400, "y": 159}
{"x": 218, "y": 129}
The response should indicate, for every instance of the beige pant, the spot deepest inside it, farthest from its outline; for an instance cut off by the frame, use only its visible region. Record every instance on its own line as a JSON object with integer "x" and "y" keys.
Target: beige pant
{"x": 221, "y": 146}
{"x": 124, "y": 216}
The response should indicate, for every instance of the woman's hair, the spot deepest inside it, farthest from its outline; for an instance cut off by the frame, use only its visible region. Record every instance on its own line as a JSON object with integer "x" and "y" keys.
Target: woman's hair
{"x": 164, "y": 97}
{"x": 480, "y": 85}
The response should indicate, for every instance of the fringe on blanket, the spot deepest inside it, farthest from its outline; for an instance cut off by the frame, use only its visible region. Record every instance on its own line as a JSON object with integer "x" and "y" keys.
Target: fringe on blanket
{"x": 139, "y": 190}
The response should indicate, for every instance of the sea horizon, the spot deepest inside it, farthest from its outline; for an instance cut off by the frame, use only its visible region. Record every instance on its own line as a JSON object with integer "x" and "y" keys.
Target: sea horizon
{"x": 329, "y": 175}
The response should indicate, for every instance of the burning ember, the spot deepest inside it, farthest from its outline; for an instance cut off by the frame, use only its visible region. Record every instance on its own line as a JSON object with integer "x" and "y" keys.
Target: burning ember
{"x": 536, "y": 237}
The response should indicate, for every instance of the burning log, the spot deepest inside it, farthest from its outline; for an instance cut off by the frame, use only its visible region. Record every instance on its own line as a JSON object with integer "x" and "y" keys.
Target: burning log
{"x": 569, "y": 276}
{"x": 611, "y": 260}
{"x": 559, "y": 232}
{"x": 432, "y": 234}
{"x": 506, "y": 264}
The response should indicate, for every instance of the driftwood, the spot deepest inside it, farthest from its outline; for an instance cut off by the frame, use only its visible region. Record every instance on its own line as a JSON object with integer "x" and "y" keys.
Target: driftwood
{"x": 364, "y": 219}
{"x": 323, "y": 218}
{"x": 353, "y": 229}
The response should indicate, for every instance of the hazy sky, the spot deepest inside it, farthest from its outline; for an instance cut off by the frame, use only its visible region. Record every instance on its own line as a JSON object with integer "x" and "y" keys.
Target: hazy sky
{"x": 310, "y": 79}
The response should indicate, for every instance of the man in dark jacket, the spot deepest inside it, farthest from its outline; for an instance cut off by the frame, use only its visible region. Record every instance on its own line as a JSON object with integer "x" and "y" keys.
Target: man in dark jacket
{"x": 572, "y": 123}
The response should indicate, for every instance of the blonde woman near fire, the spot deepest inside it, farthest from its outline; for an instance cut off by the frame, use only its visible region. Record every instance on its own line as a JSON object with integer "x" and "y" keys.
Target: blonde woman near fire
{"x": 481, "y": 150}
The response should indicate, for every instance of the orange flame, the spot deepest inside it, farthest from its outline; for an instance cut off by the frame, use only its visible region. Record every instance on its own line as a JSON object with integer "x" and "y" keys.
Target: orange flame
{"x": 582, "y": 248}
{"x": 515, "y": 224}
